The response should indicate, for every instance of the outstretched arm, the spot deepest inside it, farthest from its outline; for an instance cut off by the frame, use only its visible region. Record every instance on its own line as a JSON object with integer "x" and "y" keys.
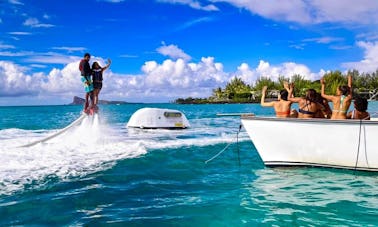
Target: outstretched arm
{"x": 108, "y": 65}
{"x": 290, "y": 89}
{"x": 328, "y": 97}
{"x": 263, "y": 103}
{"x": 350, "y": 85}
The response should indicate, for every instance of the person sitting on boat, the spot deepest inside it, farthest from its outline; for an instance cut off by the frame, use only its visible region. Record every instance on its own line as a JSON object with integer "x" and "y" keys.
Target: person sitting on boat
{"x": 307, "y": 105}
{"x": 325, "y": 110}
{"x": 341, "y": 101}
{"x": 360, "y": 109}
{"x": 281, "y": 106}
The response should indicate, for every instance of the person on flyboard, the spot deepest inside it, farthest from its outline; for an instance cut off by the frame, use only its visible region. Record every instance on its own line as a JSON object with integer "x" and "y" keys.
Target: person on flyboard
{"x": 97, "y": 71}
{"x": 86, "y": 78}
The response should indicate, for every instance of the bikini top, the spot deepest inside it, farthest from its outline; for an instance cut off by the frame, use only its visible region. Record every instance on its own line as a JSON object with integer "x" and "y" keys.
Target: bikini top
{"x": 306, "y": 111}
{"x": 340, "y": 110}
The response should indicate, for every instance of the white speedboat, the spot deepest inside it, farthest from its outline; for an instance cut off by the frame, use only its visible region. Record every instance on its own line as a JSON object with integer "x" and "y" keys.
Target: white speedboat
{"x": 156, "y": 118}
{"x": 348, "y": 144}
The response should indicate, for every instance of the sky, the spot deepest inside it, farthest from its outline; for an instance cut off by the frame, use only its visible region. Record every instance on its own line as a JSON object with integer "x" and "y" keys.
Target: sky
{"x": 167, "y": 49}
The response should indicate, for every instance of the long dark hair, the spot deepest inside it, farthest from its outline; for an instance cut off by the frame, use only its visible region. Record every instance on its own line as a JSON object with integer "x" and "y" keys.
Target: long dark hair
{"x": 94, "y": 64}
{"x": 344, "y": 90}
{"x": 361, "y": 104}
{"x": 311, "y": 95}
{"x": 284, "y": 94}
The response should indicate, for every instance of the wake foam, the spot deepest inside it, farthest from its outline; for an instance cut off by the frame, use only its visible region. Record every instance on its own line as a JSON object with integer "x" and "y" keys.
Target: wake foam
{"x": 92, "y": 146}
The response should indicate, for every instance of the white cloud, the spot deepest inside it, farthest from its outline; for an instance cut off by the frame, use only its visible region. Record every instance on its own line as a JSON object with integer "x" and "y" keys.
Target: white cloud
{"x": 173, "y": 79}
{"x": 324, "y": 40}
{"x": 114, "y": 1}
{"x": 193, "y": 4}
{"x": 6, "y": 46}
{"x": 50, "y": 58}
{"x": 173, "y": 51}
{"x": 346, "y": 11}
{"x": 287, "y": 10}
{"x": 14, "y": 81}
{"x": 264, "y": 69}
{"x": 45, "y": 16}
{"x": 128, "y": 56}
{"x": 19, "y": 33}
{"x": 15, "y": 2}
{"x": 370, "y": 61}
{"x": 15, "y": 54}
{"x": 195, "y": 22}
{"x": 70, "y": 49}
{"x": 43, "y": 58}
{"x": 34, "y": 23}
{"x": 312, "y": 12}
{"x": 38, "y": 66}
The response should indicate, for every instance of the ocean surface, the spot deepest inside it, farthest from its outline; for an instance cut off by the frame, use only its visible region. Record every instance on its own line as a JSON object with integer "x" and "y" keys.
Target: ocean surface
{"x": 102, "y": 173}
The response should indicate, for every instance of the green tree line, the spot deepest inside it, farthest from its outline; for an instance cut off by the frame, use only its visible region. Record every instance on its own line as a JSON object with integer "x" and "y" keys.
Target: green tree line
{"x": 237, "y": 91}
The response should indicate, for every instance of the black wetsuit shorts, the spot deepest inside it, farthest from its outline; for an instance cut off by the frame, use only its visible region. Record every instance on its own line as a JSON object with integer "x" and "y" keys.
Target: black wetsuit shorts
{"x": 97, "y": 85}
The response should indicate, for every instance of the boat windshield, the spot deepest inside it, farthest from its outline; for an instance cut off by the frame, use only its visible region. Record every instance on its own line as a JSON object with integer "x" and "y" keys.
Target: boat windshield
{"x": 172, "y": 114}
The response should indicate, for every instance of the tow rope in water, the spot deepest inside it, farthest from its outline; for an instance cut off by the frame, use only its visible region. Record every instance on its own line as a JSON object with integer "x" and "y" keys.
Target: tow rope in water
{"x": 225, "y": 148}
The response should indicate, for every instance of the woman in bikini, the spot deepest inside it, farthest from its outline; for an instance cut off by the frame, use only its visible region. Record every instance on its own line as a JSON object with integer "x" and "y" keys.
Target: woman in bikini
{"x": 360, "y": 110}
{"x": 341, "y": 101}
{"x": 281, "y": 107}
{"x": 325, "y": 110}
{"x": 307, "y": 105}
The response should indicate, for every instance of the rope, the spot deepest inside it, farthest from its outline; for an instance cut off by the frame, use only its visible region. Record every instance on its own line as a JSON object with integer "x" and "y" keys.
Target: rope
{"x": 237, "y": 143}
{"x": 366, "y": 158}
{"x": 358, "y": 147}
{"x": 225, "y": 148}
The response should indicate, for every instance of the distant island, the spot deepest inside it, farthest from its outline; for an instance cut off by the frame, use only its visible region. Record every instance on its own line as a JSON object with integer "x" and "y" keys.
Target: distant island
{"x": 80, "y": 101}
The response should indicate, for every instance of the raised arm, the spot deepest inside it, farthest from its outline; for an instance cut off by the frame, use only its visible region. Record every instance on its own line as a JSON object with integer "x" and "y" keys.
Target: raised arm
{"x": 350, "y": 85}
{"x": 263, "y": 103}
{"x": 328, "y": 97}
{"x": 108, "y": 65}
{"x": 290, "y": 89}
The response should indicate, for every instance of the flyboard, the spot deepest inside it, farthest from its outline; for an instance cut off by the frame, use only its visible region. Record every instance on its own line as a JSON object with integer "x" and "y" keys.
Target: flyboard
{"x": 74, "y": 123}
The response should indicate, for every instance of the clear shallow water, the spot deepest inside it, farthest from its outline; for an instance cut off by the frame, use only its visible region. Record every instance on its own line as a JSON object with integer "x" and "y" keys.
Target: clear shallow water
{"x": 108, "y": 174}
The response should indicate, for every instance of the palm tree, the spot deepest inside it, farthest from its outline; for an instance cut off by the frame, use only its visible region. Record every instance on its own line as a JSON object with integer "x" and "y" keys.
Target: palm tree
{"x": 333, "y": 81}
{"x": 236, "y": 85}
{"x": 218, "y": 93}
{"x": 301, "y": 84}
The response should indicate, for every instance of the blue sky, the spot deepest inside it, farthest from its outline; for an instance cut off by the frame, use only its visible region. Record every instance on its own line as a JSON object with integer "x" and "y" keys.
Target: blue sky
{"x": 167, "y": 49}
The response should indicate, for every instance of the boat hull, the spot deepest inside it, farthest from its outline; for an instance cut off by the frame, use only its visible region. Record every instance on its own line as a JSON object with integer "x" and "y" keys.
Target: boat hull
{"x": 349, "y": 144}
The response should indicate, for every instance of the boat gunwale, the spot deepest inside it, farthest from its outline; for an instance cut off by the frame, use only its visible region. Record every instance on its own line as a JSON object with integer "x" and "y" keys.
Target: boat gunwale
{"x": 309, "y": 120}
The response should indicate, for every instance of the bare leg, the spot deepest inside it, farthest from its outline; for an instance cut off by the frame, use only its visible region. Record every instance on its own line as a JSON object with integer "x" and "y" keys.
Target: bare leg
{"x": 96, "y": 91}
{"x": 95, "y": 96}
{"x": 91, "y": 95}
{"x": 86, "y": 103}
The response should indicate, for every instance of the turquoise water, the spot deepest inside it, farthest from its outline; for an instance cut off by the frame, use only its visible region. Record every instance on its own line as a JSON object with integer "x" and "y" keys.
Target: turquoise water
{"x": 111, "y": 175}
